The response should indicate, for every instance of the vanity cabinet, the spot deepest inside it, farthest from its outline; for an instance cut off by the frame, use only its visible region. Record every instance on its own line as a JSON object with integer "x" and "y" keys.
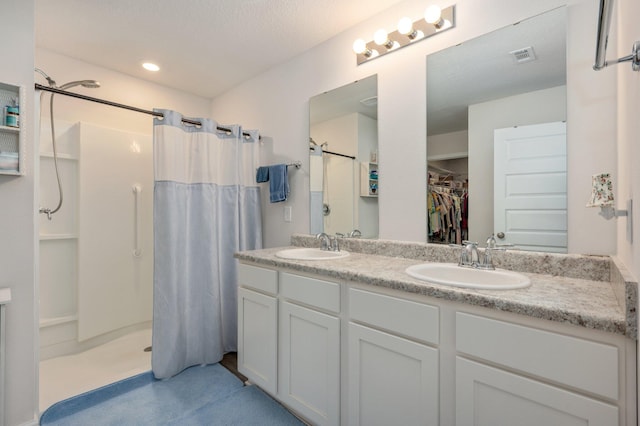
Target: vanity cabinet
{"x": 258, "y": 326}
{"x": 350, "y": 353}
{"x": 289, "y": 340}
{"x": 493, "y": 397}
{"x": 11, "y": 133}
{"x": 393, "y": 370}
{"x": 309, "y": 347}
{"x": 510, "y": 374}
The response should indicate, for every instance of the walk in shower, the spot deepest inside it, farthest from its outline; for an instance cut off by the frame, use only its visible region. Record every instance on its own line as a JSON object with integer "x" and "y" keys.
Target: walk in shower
{"x": 96, "y": 243}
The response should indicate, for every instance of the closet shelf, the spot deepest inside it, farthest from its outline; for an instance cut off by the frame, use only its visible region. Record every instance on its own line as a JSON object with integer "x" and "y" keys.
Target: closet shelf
{"x": 10, "y": 129}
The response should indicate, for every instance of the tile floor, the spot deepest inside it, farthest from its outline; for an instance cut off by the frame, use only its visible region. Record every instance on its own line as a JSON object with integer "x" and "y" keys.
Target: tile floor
{"x": 70, "y": 375}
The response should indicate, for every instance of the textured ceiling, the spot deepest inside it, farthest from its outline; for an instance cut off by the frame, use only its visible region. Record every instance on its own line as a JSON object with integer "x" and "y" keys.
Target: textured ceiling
{"x": 482, "y": 69}
{"x": 202, "y": 46}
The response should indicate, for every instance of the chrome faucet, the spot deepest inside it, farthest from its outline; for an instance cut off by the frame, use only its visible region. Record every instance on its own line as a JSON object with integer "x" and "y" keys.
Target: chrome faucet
{"x": 487, "y": 261}
{"x": 492, "y": 246}
{"x": 334, "y": 243}
{"x": 325, "y": 241}
{"x": 328, "y": 242}
{"x": 469, "y": 255}
{"x": 355, "y": 233}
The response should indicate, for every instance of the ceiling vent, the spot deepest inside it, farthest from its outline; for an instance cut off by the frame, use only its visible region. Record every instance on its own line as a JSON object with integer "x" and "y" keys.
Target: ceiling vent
{"x": 526, "y": 54}
{"x": 370, "y": 102}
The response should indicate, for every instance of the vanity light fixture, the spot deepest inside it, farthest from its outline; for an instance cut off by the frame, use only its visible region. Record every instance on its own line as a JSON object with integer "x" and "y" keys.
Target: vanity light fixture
{"x": 360, "y": 48}
{"x": 433, "y": 16}
{"x": 405, "y": 27}
{"x": 381, "y": 38}
{"x": 435, "y": 20}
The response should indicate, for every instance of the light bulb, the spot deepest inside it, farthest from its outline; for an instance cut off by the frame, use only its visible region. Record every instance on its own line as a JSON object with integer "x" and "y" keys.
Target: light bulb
{"x": 150, "y": 66}
{"x": 381, "y": 37}
{"x": 405, "y": 26}
{"x": 359, "y": 46}
{"x": 433, "y": 15}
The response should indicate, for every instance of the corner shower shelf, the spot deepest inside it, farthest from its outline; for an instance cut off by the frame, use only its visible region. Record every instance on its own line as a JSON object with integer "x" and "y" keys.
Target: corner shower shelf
{"x": 12, "y": 138}
{"x": 60, "y": 156}
{"x": 53, "y": 237}
{"x": 9, "y": 129}
{"x": 368, "y": 183}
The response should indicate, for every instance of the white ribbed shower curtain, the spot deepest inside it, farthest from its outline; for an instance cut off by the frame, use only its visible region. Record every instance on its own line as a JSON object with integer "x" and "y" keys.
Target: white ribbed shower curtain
{"x": 206, "y": 207}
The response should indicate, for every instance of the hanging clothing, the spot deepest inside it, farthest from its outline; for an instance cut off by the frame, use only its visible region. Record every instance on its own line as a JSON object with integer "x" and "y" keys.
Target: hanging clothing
{"x": 206, "y": 207}
{"x": 447, "y": 213}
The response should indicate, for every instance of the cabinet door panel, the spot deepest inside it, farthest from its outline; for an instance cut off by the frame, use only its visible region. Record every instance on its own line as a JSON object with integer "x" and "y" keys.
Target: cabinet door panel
{"x": 261, "y": 279}
{"x": 392, "y": 381}
{"x": 415, "y": 320}
{"x": 257, "y": 328}
{"x": 527, "y": 349}
{"x": 487, "y": 396}
{"x": 310, "y": 363}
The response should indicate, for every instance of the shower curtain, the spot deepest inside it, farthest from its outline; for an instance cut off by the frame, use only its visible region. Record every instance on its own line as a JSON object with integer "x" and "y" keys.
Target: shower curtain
{"x": 206, "y": 207}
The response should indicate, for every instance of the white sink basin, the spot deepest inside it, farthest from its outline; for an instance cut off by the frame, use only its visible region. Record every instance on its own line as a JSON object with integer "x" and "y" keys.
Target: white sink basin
{"x": 311, "y": 254}
{"x": 457, "y": 276}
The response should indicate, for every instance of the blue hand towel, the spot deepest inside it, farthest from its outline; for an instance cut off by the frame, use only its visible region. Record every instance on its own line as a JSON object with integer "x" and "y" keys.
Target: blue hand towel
{"x": 262, "y": 175}
{"x": 278, "y": 183}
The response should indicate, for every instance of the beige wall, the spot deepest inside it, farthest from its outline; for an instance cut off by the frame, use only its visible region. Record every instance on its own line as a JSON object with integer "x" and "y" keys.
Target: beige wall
{"x": 17, "y": 227}
{"x": 628, "y": 131}
{"x": 276, "y": 102}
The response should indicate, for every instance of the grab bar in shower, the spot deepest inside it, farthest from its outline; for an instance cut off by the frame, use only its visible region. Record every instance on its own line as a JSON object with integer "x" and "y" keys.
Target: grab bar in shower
{"x": 137, "y": 251}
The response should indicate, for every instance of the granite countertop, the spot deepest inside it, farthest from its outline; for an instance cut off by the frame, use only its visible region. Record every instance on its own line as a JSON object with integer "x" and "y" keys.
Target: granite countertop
{"x": 579, "y": 301}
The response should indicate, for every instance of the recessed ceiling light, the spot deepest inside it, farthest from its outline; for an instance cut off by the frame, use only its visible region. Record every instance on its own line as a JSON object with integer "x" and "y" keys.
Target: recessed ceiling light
{"x": 150, "y": 66}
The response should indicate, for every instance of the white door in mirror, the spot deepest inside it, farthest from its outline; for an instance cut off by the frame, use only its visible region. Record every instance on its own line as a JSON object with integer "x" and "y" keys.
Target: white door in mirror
{"x": 530, "y": 186}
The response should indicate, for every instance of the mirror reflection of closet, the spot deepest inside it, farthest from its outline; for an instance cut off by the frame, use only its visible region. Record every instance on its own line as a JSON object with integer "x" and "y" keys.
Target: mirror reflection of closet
{"x": 512, "y": 77}
{"x": 343, "y": 149}
{"x": 448, "y": 183}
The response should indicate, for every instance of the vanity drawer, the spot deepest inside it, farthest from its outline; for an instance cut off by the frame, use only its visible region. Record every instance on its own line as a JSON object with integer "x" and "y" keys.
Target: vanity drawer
{"x": 579, "y": 363}
{"x": 310, "y": 291}
{"x": 412, "y": 319}
{"x": 261, "y": 279}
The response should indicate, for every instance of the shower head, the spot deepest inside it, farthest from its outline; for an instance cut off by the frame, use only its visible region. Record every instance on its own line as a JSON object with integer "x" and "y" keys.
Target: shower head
{"x": 51, "y": 81}
{"x": 90, "y": 84}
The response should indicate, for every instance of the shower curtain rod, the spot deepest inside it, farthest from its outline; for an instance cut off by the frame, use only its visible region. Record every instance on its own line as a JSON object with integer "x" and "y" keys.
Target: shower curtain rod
{"x": 336, "y": 153}
{"x": 123, "y": 106}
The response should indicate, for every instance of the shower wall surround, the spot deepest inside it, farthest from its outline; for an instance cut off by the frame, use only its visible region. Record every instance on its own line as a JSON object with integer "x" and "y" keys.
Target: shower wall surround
{"x": 91, "y": 284}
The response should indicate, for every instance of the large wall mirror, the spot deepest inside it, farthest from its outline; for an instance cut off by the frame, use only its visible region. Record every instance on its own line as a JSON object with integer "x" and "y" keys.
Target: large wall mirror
{"x": 496, "y": 138}
{"x": 343, "y": 149}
